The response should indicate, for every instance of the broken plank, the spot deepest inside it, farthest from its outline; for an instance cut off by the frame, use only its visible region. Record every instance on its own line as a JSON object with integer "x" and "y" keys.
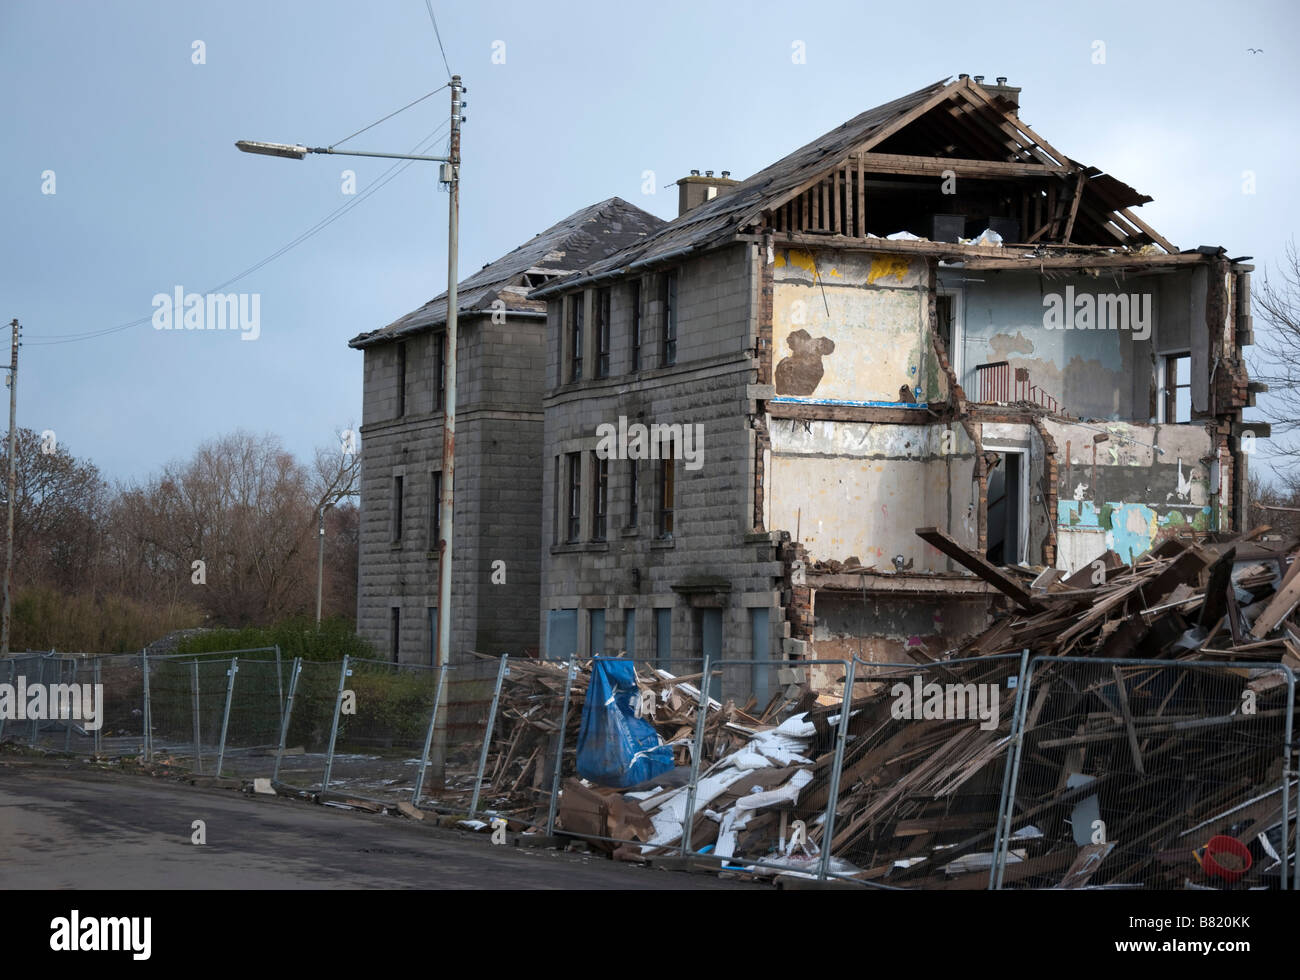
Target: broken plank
{"x": 980, "y": 566}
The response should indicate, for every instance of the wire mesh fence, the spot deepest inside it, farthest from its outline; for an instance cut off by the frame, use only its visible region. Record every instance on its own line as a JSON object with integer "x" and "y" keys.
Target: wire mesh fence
{"x": 1151, "y": 774}
{"x": 996, "y": 771}
{"x": 383, "y": 722}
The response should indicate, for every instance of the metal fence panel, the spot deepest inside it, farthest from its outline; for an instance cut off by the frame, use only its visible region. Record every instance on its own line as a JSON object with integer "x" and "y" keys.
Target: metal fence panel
{"x": 383, "y": 722}
{"x": 1152, "y": 774}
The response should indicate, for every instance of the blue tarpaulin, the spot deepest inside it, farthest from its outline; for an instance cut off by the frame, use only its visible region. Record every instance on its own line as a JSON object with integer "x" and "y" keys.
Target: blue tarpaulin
{"x": 615, "y": 747}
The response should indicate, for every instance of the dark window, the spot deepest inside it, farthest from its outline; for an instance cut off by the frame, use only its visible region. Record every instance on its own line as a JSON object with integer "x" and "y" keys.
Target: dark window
{"x": 667, "y": 475}
{"x": 440, "y": 371}
{"x": 602, "y": 333}
{"x": 394, "y": 633}
{"x": 401, "y": 380}
{"x": 633, "y": 491}
{"x": 670, "y": 319}
{"x": 1178, "y": 388}
{"x": 575, "y": 496}
{"x": 435, "y": 509}
{"x": 575, "y": 337}
{"x": 600, "y": 500}
{"x": 397, "y": 509}
{"x": 636, "y": 325}
{"x": 943, "y": 322}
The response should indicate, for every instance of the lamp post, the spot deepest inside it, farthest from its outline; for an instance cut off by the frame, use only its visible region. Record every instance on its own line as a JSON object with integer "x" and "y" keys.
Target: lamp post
{"x": 450, "y": 176}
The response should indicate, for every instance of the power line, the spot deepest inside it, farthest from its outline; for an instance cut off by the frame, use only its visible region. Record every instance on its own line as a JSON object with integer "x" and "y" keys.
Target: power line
{"x": 390, "y": 115}
{"x": 429, "y": 6}
{"x": 320, "y": 226}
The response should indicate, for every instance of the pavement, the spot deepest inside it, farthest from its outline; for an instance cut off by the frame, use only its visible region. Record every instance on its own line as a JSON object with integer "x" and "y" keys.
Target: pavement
{"x": 62, "y": 826}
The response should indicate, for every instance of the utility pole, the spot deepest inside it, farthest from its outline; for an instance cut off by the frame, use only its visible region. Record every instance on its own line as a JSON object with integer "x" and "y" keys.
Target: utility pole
{"x": 320, "y": 561}
{"x": 451, "y": 177}
{"x": 9, "y": 486}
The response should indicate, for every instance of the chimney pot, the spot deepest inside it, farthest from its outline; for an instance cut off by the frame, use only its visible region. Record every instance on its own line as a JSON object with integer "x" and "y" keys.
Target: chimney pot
{"x": 1002, "y": 79}
{"x": 708, "y": 173}
{"x": 979, "y": 79}
{"x": 963, "y": 76}
{"x": 726, "y": 174}
{"x": 695, "y": 173}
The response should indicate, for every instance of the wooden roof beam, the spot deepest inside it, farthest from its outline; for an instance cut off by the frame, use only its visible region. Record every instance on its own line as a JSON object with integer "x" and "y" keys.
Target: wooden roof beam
{"x": 894, "y": 163}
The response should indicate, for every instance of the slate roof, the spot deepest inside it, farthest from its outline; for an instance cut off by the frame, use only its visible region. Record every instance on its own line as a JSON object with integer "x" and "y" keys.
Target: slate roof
{"x": 578, "y": 241}
{"x": 717, "y": 220}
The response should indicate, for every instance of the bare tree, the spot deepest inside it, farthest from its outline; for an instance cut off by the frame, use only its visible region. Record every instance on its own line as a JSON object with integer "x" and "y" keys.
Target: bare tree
{"x": 1277, "y": 304}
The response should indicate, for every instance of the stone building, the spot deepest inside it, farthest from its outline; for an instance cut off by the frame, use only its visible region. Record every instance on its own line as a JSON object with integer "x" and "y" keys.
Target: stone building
{"x": 929, "y": 319}
{"x": 500, "y": 382}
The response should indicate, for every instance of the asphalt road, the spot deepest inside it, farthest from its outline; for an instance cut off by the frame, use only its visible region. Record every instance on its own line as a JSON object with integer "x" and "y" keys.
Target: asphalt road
{"x": 71, "y": 828}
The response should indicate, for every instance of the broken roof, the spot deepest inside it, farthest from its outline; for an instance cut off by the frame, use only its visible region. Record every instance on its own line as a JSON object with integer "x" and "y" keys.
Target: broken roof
{"x": 983, "y": 124}
{"x": 576, "y": 242}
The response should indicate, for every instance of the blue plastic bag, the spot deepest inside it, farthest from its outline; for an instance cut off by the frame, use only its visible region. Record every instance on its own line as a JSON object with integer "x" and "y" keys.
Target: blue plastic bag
{"x": 615, "y": 747}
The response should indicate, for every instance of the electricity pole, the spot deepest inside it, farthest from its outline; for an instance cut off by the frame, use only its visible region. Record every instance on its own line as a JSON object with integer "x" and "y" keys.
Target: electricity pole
{"x": 9, "y": 486}
{"x": 451, "y": 177}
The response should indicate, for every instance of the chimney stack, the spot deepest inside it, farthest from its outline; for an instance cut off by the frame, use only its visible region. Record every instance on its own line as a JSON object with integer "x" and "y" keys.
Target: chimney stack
{"x": 1003, "y": 91}
{"x": 695, "y": 190}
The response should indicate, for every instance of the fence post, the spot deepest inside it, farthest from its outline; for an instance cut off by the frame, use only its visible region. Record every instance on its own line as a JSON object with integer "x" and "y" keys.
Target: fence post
{"x": 334, "y": 728}
{"x": 11, "y": 684}
{"x": 487, "y": 736}
{"x": 837, "y": 765}
{"x": 279, "y": 682}
{"x": 428, "y": 738}
{"x": 147, "y": 719}
{"x": 1003, "y": 805}
{"x": 40, "y": 679}
{"x": 697, "y": 749}
{"x": 559, "y": 751}
{"x": 287, "y": 713}
{"x": 1286, "y": 776}
{"x": 1002, "y": 844}
{"x": 67, "y": 722}
{"x": 103, "y": 708}
{"x": 225, "y": 715}
{"x": 194, "y": 695}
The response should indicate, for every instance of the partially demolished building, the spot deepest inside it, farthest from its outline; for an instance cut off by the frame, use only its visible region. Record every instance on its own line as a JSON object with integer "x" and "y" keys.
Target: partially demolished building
{"x": 927, "y": 318}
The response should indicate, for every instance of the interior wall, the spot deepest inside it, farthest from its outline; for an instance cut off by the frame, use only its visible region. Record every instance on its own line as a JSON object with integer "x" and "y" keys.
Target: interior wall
{"x": 860, "y": 489}
{"x": 1092, "y": 373}
{"x": 852, "y": 328}
{"x": 1132, "y": 495}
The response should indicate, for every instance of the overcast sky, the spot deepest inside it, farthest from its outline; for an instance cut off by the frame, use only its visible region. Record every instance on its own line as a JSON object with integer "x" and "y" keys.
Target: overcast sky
{"x": 150, "y": 193}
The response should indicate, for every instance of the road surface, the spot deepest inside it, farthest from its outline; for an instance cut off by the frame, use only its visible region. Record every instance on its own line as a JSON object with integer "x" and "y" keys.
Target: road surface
{"x": 65, "y": 827}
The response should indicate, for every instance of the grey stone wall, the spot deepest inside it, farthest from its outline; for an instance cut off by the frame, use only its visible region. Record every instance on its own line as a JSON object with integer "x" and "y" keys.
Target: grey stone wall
{"x": 498, "y": 491}
{"x": 712, "y": 558}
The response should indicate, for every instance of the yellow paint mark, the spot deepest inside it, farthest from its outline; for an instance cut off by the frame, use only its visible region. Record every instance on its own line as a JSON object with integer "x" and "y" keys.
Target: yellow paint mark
{"x": 780, "y": 264}
{"x": 801, "y": 259}
{"x": 887, "y": 265}
{"x": 836, "y": 274}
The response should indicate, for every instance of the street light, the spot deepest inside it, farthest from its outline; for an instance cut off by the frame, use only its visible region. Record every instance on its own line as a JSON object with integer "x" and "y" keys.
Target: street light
{"x": 451, "y": 176}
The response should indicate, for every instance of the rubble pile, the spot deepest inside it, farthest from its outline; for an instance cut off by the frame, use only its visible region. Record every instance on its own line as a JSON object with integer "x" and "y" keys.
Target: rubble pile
{"x": 1129, "y": 775}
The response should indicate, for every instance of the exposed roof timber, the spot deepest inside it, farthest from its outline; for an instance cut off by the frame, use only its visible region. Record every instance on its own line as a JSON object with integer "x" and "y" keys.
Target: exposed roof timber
{"x": 938, "y": 98}
{"x": 982, "y": 130}
{"x": 1074, "y": 208}
{"x": 974, "y": 91}
{"x": 1163, "y": 243}
{"x": 983, "y": 257}
{"x": 893, "y": 163}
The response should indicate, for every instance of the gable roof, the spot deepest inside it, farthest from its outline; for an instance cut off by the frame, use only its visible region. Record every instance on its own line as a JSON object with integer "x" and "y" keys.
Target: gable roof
{"x": 984, "y": 124}
{"x": 569, "y": 245}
